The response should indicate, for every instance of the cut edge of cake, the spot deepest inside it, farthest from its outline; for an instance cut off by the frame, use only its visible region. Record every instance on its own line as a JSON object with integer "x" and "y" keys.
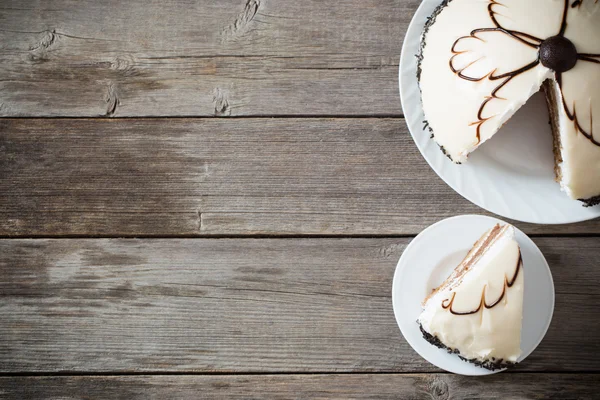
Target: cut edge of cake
{"x": 554, "y": 101}
{"x": 479, "y": 249}
{"x": 477, "y": 252}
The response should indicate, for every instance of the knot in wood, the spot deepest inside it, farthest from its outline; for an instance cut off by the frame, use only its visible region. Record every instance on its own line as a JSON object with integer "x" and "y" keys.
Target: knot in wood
{"x": 438, "y": 389}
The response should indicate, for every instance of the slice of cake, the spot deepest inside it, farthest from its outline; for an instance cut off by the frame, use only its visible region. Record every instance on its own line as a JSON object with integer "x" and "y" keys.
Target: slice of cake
{"x": 477, "y": 312}
{"x": 481, "y": 60}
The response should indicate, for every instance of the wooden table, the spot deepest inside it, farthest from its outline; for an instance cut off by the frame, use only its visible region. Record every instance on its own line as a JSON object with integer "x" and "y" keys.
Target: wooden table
{"x": 207, "y": 199}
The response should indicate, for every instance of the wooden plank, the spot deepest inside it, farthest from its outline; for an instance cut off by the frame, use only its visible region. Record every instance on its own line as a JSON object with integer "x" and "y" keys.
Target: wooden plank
{"x": 389, "y": 386}
{"x": 244, "y": 305}
{"x": 209, "y": 58}
{"x": 193, "y": 177}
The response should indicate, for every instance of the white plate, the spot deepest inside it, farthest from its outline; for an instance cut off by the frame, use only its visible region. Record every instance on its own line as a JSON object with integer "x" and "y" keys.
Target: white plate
{"x": 513, "y": 173}
{"x": 420, "y": 270}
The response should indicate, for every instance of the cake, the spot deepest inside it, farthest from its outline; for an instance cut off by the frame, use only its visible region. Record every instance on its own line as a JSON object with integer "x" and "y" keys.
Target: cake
{"x": 481, "y": 60}
{"x": 477, "y": 311}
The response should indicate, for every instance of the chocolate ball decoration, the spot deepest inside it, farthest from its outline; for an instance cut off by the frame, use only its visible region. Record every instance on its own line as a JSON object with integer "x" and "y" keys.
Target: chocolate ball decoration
{"x": 558, "y": 53}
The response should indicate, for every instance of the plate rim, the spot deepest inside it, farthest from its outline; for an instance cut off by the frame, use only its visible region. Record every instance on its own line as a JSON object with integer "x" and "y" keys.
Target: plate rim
{"x": 416, "y": 24}
{"x": 398, "y": 270}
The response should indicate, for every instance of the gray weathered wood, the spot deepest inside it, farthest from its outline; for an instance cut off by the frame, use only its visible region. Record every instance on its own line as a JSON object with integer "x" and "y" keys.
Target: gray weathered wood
{"x": 389, "y": 386}
{"x": 230, "y": 305}
{"x": 222, "y": 177}
{"x": 200, "y": 58}
{"x": 244, "y": 305}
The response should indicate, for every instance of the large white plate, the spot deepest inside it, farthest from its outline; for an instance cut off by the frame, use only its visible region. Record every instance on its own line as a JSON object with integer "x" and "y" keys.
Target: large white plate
{"x": 420, "y": 270}
{"x": 513, "y": 173}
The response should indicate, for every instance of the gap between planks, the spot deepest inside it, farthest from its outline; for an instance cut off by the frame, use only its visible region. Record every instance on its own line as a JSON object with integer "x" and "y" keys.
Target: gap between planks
{"x": 212, "y": 117}
{"x": 261, "y": 373}
{"x": 266, "y": 236}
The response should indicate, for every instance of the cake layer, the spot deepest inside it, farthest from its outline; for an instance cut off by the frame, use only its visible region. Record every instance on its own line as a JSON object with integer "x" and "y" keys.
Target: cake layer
{"x": 478, "y": 312}
{"x": 479, "y": 248}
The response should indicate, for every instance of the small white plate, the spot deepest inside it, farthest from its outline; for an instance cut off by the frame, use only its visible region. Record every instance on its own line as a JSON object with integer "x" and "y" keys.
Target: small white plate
{"x": 512, "y": 174}
{"x": 430, "y": 258}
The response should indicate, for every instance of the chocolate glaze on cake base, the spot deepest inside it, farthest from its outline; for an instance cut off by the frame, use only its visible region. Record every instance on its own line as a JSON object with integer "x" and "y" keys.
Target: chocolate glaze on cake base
{"x": 492, "y": 365}
{"x": 594, "y": 201}
{"x": 430, "y": 21}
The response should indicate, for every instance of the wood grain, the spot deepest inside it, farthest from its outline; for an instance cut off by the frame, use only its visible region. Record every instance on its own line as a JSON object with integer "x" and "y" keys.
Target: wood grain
{"x": 389, "y": 386}
{"x": 209, "y": 58}
{"x": 244, "y": 305}
{"x": 202, "y": 177}
{"x": 302, "y": 309}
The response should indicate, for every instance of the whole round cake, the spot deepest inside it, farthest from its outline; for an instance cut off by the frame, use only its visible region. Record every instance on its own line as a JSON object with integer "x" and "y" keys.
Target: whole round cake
{"x": 481, "y": 60}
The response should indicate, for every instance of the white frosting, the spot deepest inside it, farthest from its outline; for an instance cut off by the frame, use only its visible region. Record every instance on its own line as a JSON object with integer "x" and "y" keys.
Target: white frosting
{"x": 490, "y": 332}
{"x": 580, "y": 168}
{"x": 473, "y": 80}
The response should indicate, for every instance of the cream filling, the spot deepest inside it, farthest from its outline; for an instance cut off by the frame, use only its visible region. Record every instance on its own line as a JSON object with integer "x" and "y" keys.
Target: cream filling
{"x": 490, "y": 332}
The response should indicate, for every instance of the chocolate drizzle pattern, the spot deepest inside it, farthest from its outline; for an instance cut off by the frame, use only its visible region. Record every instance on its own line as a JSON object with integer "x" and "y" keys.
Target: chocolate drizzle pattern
{"x": 447, "y": 303}
{"x": 506, "y": 78}
{"x": 578, "y": 3}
